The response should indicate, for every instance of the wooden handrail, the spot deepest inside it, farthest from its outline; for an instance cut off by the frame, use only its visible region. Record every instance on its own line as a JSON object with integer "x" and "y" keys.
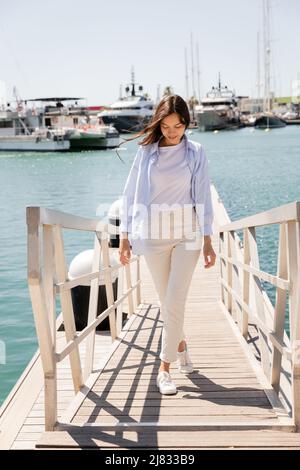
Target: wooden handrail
{"x": 43, "y": 216}
{"x": 241, "y": 288}
{"x": 47, "y": 277}
{"x": 275, "y": 280}
{"x": 77, "y": 281}
{"x": 284, "y": 213}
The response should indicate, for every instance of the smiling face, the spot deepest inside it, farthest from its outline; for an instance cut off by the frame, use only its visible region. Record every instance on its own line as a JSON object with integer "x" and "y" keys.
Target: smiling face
{"x": 172, "y": 129}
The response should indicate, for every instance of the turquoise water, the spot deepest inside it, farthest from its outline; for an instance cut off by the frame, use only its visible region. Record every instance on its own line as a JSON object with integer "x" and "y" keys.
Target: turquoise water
{"x": 252, "y": 171}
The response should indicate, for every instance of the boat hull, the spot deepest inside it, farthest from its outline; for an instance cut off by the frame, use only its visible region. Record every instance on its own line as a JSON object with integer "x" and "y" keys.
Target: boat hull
{"x": 28, "y": 144}
{"x": 89, "y": 141}
{"x": 292, "y": 122}
{"x": 269, "y": 122}
{"x": 211, "y": 121}
{"x": 125, "y": 124}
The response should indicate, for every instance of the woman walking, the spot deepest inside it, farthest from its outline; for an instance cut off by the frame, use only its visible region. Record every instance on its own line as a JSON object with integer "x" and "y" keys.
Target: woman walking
{"x": 167, "y": 216}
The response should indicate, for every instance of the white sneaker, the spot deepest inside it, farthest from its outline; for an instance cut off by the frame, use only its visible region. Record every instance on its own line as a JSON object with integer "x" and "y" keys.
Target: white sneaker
{"x": 184, "y": 363}
{"x": 165, "y": 384}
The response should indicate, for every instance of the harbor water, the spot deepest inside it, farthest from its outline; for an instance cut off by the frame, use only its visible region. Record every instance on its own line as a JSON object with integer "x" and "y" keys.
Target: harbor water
{"x": 252, "y": 170}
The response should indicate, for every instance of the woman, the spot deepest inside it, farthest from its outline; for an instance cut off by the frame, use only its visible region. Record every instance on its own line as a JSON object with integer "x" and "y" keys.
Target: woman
{"x": 166, "y": 216}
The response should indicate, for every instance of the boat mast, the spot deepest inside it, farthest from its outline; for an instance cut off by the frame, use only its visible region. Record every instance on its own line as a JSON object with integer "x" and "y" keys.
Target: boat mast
{"x": 158, "y": 94}
{"x": 219, "y": 84}
{"x": 258, "y": 66}
{"x": 132, "y": 82}
{"x": 186, "y": 75}
{"x": 192, "y": 63}
{"x": 267, "y": 55}
{"x": 198, "y": 72}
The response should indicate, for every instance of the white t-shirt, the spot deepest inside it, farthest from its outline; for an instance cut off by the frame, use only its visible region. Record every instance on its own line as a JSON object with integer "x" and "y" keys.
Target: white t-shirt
{"x": 171, "y": 177}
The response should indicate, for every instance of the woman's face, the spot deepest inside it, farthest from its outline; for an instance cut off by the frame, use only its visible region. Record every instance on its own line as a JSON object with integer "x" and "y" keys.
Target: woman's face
{"x": 172, "y": 129}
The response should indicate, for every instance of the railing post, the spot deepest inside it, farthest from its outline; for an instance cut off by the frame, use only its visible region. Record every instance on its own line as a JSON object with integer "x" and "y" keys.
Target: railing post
{"x": 236, "y": 281}
{"x": 246, "y": 285}
{"x": 228, "y": 273}
{"x": 222, "y": 265}
{"x": 108, "y": 284}
{"x": 120, "y": 306}
{"x": 48, "y": 283}
{"x": 92, "y": 313}
{"x": 129, "y": 285}
{"x": 41, "y": 314}
{"x": 279, "y": 311}
{"x": 294, "y": 305}
{"x": 138, "y": 278}
{"x": 259, "y": 304}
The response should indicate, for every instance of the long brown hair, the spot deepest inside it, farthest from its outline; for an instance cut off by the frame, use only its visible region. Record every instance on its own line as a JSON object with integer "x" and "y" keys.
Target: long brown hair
{"x": 168, "y": 105}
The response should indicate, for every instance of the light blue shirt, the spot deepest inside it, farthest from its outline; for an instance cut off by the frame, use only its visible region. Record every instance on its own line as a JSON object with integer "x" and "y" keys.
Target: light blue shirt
{"x": 137, "y": 191}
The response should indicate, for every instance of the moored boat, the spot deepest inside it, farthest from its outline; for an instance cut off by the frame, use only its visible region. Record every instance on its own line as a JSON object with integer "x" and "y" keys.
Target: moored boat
{"x": 85, "y": 130}
{"x": 16, "y": 135}
{"x": 130, "y": 113}
{"x": 218, "y": 110}
{"x": 269, "y": 121}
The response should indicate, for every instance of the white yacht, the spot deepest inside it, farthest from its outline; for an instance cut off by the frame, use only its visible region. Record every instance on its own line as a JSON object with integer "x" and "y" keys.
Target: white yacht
{"x": 130, "y": 113}
{"x": 218, "y": 110}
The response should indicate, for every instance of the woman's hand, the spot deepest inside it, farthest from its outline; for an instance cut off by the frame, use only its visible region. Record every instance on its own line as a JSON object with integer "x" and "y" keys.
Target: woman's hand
{"x": 209, "y": 255}
{"x": 124, "y": 251}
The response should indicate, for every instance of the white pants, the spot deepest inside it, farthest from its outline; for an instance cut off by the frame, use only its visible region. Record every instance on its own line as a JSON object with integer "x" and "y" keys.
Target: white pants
{"x": 171, "y": 262}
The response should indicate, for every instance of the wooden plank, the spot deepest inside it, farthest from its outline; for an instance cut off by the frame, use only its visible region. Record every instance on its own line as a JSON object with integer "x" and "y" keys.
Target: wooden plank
{"x": 272, "y": 396}
{"x": 71, "y": 410}
{"x": 139, "y": 412}
{"x": 213, "y": 418}
{"x": 185, "y": 439}
{"x": 17, "y": 408}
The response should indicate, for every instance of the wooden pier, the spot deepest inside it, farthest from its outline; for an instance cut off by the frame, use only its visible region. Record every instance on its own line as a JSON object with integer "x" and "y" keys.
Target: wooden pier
{"x": 97, "y": 390}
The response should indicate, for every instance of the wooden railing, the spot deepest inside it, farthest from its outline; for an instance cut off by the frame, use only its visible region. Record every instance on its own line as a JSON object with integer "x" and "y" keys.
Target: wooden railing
{"x": 243, "y": 296}
{"x": 47, "y": 278}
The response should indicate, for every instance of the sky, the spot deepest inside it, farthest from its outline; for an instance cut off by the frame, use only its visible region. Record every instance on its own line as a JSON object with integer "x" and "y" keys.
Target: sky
{"x": 87, "y": 48}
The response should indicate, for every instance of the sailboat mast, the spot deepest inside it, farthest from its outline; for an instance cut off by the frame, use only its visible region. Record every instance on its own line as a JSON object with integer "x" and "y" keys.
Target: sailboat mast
{"x": 192, "y": 62}
{"x": 158, "y": 94}
{"x": 132, "y": 82}
{"x": 198, "y": 72}
{"x": 267, "y": 54}
{"x": 258, "y": 66}
{"x": 186, "y": 76}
